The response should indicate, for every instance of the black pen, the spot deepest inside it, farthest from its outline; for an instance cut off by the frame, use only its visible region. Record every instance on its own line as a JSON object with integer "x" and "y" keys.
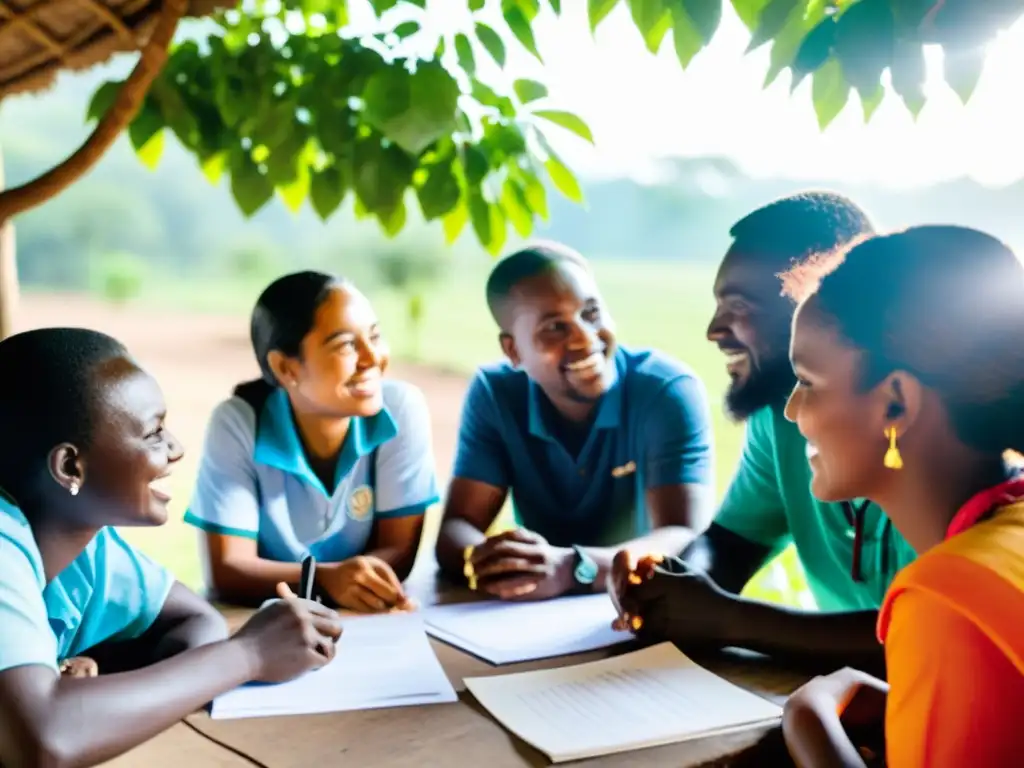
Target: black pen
{"x": 308, "y": 575}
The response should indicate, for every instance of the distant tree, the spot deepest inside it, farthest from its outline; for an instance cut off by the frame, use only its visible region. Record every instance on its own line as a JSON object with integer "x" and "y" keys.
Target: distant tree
{"x": 118, "y": 277}
{"x": 283, "y": 97}
{"x": 410, "y": 272}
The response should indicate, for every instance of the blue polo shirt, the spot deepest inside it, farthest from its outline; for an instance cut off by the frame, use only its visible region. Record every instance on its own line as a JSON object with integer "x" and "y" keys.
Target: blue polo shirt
{"x": 110, "y": 592}
{"x": 652, "y": 428}
{"x": 254, "y": 479}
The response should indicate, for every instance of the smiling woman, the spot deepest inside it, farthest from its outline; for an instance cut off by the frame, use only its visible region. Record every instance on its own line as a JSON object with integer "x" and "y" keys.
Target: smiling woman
{"x": 320, "y": 456}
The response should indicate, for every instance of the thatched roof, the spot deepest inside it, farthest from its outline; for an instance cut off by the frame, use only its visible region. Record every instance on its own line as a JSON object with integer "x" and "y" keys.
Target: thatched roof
{"x": 39, "y": 38}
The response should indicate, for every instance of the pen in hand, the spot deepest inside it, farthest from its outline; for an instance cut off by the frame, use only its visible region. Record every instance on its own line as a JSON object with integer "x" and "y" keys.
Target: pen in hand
{"x": 307, "y": 579}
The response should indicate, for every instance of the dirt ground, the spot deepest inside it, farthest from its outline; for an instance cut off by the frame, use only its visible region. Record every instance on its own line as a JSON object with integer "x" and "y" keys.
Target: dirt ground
{"x": 199, "y": 358}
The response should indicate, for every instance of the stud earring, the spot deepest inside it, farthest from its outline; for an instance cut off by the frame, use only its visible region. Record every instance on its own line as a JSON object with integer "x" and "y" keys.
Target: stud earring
{"x": 892, "y": 459}
{"x": 73, "y": 488}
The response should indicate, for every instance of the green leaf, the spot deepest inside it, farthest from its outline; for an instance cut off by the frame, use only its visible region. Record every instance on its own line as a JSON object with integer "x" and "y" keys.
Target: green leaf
{"x": 870, "y": 101}
{"x": 480, "y": 217}
{"x": 705, "y": 15}
{"x": 440, "y": 191}
{"x": 520, "y": 27}
{"x": 597, "y": 10}
{"x": 103, "y": 99}
{"x": 865, "y": 36}
{"x": 492, "y": 42}
{"x": 749, "y": 11}
{"x": 380, "y": 175}
{"x": 814, "y": 51}
{"x": 406, "y": 29}
{"x": 789, "y": 38}
{"x": 830, "y": 92}
{"x": 380, "y": 6}
{"x": 962, "y": 70}
{"x": 908, "y": 75}
{"x": 568, "y": 121}
{"x": 770, "y": 22}
{"x": 414, "y": 110}
{"x": 213, "y": 167}
{"x": 477, "y": 5}
{"x": 393, "y": 220}
{"x": 499, "y": 232}
{"x": 464, "y": 51}
{"x": 294, "y": 193}
{"x": 563, "y": 179}
{"x": 686, "y": 38}
{"x": 454, "y": 222}
{"x": 146, "y": 133}
{"x": 516, "y": 208}
{"x": 556, "y": 6}
{"x": 475, "y": 164}
{"x": 250, "y": 188}
{"x": 529, "y": 90}
{"x": 536, "y": 195}
{"x": 653, "y": 19}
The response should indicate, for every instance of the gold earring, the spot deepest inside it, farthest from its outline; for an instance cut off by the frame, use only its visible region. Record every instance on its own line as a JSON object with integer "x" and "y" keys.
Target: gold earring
{"x": 893, "y": 459}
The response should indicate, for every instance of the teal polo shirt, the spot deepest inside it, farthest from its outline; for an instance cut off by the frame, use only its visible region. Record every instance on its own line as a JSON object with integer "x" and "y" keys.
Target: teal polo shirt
{"x": 110, "y": 592}
{"x": 254, "y": 480}
{"x": 769, "y": 501}
{"x": 652, "y": 428}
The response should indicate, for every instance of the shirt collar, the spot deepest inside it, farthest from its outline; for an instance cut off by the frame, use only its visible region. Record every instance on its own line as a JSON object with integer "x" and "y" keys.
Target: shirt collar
{"x": 609, "y": 408}
{"x": 278, "y": 444}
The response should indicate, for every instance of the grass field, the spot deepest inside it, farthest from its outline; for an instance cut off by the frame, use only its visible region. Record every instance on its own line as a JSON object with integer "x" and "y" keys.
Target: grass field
{"x": 654, "y": 304}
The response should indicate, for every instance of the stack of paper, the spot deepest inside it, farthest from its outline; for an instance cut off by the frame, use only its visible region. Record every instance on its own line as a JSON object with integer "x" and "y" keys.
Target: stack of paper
{"x": 381, "y": 661}
{"x": 643, "y": 699}
{"x": 505, "y": 633}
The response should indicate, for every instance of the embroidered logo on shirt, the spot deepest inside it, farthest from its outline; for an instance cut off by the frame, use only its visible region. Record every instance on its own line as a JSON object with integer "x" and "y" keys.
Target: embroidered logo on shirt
{"x": 626, "y": 469}
{"x": 360, "y": 502}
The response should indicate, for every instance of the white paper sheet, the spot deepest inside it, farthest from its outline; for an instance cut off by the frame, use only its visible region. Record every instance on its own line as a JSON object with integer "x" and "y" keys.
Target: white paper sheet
{"x": 505, "y": 633}
{"x": 642, "y": 699}
{"x": 381, "y": 661}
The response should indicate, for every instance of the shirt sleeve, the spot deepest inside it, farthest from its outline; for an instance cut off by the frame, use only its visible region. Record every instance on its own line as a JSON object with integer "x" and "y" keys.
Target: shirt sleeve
{"x": 226, "y": 496}
{"x": 406, "y": 479}
{"x": 753, "y": 507}
{"x": 481, "y": 454}
{"x": 949, "y": 699}
{"x": 679, "y": 440}
{"x": 25, "y": 634}
{"x": 130, "y": 592}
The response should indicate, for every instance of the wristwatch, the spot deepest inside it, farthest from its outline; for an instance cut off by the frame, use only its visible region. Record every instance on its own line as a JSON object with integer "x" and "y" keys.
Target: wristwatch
{"x": 584, "y": 569}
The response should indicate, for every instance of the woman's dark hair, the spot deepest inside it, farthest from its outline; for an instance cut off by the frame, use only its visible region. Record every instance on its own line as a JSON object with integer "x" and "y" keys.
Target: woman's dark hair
{"x": 48, "y": 396}
{"x": 945, "y": 304}
{"x": 284, "y": 314}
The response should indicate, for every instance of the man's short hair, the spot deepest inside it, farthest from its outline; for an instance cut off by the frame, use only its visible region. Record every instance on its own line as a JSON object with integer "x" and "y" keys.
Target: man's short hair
{"x": 523, "y": 264}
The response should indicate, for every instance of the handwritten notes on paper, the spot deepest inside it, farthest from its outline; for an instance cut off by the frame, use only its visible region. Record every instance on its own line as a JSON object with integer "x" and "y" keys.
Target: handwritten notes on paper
{"x": 642, "y": 699}
{"x": 506, "y": 633}
{"x": 381, "y": 661}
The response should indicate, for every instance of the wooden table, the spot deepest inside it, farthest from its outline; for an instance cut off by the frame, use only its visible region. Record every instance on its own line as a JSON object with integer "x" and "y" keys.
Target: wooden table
{"x": 450, "y": 735}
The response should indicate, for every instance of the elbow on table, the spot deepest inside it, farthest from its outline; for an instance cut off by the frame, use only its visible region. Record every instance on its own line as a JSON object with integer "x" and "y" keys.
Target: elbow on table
{"x": 42, "y": 750}
{"x": 230, "y": 582}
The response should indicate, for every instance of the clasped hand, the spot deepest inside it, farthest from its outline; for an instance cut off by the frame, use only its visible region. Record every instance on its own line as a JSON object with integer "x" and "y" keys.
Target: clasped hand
{"x": 521, "y": 565}
{"x": 365, "y": 584}
{"x": 661, "y": 598}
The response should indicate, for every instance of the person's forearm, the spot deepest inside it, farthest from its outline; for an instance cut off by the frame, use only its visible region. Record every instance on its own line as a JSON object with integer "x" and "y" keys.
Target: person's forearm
{"x": 667, "y": 541}
{"x": 829, "y": 640}
{"x": 255, "y": 579}
{"x": 456, "y": 534}
{"x": 401, "y": 559}
{"x": 89, "y": 721}
{"x": 815, "y": 738}
{"x": 192, "y": 632}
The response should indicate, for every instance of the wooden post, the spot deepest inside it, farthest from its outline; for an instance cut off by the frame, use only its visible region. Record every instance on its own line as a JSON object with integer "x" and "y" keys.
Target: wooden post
{"x": 8, "y": 271}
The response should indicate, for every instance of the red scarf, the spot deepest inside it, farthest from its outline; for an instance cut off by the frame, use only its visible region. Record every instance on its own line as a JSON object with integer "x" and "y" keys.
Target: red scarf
{"x": 981, "y": 504}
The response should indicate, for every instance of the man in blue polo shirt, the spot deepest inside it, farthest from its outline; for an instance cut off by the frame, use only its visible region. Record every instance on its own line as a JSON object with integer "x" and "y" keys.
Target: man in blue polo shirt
{"x": 602, "y": 447}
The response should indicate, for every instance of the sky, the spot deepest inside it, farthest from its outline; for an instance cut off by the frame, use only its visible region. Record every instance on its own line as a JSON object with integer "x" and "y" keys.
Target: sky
{"x": 643, "y": 107}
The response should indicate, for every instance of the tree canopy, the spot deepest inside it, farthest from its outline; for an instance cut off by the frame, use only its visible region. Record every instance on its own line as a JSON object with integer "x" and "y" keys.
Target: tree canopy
{"x": 284, "y": 98}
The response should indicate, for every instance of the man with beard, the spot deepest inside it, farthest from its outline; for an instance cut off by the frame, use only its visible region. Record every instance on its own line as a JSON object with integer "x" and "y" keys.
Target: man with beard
{"x": 849, "y": 551}
{"x": 602, "y": 447}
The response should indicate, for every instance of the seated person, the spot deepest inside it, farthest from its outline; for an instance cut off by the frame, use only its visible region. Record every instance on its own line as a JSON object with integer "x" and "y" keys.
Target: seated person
{"x": 909, "y": 352}
{"x": 601, "y": 446}
{"x": 848, "y": 549}
{"x": 92, "y": 452}
{"x": 320, "y": 456}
